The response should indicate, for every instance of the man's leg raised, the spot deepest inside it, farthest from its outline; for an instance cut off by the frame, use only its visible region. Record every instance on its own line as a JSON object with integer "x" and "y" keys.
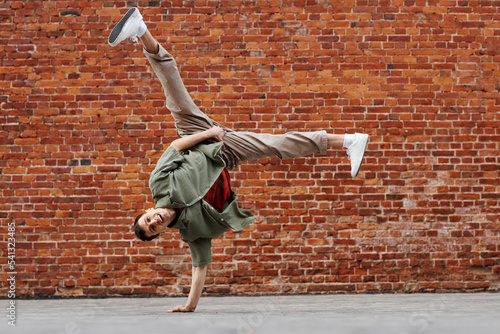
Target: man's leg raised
{"x": 240, "y": 146}
{"x": 188, "y": 117}
{"x": 149, "y": 43}
{"x": 244, "y": 146}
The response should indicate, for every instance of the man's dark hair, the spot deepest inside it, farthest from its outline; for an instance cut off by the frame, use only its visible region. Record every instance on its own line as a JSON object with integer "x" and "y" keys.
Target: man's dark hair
{"x": 139, "y": 232}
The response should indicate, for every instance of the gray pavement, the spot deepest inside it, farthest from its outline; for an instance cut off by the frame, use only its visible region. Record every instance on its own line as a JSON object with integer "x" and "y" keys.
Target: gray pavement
{"x": 382, "y": 313}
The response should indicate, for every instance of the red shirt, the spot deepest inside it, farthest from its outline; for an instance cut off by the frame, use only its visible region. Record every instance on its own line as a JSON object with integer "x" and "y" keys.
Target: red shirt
{"x": 220, "y": 191}
{"x": 216, "y": 196}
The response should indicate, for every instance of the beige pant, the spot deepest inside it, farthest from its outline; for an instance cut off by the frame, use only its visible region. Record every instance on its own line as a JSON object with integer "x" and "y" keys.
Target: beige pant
{"x": 239, "y": 145}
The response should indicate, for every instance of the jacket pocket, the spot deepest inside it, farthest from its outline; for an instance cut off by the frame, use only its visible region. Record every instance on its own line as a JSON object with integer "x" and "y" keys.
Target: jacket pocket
{"x": 202, "y": 221}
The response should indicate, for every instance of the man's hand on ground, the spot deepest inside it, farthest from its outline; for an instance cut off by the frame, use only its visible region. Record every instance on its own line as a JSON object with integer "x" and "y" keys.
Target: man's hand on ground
{"x": 181, "y": 308}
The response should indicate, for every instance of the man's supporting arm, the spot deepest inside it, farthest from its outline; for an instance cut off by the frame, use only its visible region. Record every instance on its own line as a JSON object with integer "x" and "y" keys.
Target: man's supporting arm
{"x": 198, "y": 281}
{"x": 186, "y": 142}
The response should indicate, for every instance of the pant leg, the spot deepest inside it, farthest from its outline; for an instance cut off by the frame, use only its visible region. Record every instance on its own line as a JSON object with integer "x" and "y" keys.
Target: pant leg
{"x": 239, "y": 146}
{"x": 244, "y": 146}
{"x": 188, "y": 117}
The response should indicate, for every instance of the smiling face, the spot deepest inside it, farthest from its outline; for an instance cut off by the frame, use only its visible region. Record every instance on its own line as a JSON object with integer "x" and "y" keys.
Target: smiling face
{"x": 154, "y": 221}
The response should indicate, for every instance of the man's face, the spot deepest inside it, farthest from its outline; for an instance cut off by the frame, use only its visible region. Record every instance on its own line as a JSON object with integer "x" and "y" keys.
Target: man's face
{"x": 155, "y": 221}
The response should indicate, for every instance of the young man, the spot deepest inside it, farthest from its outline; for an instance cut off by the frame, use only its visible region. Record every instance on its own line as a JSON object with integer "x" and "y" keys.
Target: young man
{"x": 190, "y": 184}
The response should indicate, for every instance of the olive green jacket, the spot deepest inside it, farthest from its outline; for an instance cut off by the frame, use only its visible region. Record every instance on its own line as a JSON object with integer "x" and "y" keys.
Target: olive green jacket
{"x": 181, "y": 181}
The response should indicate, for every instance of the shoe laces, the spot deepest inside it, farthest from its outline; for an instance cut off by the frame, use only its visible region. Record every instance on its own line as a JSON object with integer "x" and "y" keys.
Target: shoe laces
{"x": 350, "y": 148}
{"x": 349, "y": 151}
{"x": 134, "y": 38}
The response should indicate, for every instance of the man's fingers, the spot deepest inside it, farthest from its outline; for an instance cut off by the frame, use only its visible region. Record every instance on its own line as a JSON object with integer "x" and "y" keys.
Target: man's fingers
{"x": 218, "y": 133}
{"x": 179, "y": 308}
{"x": 175, "y": 309}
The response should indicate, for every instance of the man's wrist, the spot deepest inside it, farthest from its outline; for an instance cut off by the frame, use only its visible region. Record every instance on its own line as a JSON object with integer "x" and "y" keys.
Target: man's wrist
{"x": 190, "y": 307}
{"x": 208, "y": 134}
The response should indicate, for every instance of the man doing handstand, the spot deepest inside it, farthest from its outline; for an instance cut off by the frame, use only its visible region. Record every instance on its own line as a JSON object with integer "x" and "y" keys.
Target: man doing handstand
{"x": 190, "y": 183}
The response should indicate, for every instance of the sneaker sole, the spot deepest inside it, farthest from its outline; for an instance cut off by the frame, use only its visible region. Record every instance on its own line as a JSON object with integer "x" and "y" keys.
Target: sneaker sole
{"x": 118, "y": 28}
{"x": 362, "y": 157}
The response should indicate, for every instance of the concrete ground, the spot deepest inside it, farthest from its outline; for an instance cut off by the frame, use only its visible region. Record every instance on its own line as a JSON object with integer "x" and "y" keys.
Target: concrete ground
{"x": 384, "y": 313}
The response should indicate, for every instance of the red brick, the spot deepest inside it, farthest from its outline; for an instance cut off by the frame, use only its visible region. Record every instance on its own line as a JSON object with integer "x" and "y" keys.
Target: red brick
{"x": 83, "y": 126}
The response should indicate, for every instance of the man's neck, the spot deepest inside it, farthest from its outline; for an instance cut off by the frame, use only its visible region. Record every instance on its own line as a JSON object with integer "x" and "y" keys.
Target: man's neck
{"x": 173, "y": 214}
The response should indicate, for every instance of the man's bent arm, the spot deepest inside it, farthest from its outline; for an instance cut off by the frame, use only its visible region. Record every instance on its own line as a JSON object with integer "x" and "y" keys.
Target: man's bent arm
{"x": 186, "y": 142}
{"x": 198, "y": 281}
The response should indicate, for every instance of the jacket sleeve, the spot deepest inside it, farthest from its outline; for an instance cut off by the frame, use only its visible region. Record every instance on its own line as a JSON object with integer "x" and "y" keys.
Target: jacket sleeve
{"x": 180, "y": 180}
{"x": 170, "y": 160}
{"x": 201, "y": 251}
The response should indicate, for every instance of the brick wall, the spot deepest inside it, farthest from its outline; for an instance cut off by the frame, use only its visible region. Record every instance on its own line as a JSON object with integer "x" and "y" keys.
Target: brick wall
{"x": 83, "y": 124}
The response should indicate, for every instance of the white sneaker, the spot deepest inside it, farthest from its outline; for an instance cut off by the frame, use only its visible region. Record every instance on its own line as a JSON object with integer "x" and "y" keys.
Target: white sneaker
{"x": 126, "y": 28}
{"x": 356, "y": 152}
